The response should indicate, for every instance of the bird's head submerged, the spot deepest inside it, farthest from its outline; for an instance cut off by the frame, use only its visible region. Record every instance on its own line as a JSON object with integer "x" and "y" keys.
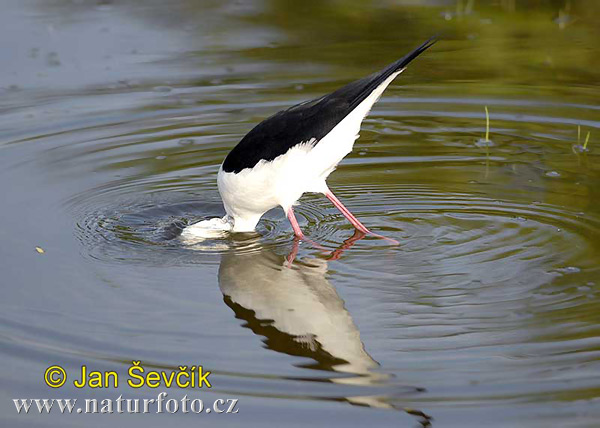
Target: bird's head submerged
{"x": 211, "y": 228}
{"x": 219, "y": 227}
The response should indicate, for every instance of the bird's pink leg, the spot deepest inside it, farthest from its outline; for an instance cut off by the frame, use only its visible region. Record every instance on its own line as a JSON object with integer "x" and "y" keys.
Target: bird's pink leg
{"x": 292, "y": 218}
{"x": 299, "y": 236}
{"x": 357, "y": 224}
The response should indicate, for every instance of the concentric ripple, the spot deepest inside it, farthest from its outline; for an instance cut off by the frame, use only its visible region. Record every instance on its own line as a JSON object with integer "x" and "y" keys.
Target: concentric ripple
{"x": 139, "y": 217}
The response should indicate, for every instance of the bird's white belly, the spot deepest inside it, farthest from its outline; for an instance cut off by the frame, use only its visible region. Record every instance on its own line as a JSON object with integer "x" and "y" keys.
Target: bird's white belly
{"x": 248, "y": 194}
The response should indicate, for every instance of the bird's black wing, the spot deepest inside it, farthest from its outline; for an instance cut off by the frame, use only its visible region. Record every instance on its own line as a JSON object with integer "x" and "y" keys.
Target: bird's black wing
{"x": 310, "y": 120}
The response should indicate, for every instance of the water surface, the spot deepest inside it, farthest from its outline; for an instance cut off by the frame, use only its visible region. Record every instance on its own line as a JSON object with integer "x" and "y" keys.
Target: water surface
{"x": 114, "y": 119}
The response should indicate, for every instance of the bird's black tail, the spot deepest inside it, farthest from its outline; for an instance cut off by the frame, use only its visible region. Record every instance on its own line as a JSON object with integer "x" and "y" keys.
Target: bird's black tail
{"x": 311, "y": 120}
{"x": 357, "y": 91}
{"x": 406, "y": 59}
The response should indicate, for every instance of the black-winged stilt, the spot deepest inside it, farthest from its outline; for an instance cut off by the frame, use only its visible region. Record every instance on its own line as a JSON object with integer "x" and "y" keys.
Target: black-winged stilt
{"x": 293, "y": 152}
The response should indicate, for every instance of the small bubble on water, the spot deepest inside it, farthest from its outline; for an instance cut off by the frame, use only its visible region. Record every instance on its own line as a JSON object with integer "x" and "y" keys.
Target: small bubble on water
{"x": 299, "y": 87}
{"x": 186, "y": 142}
{"x": 569, "y": 269}
{"x": 482, "y": 142}
{"x": 160, "y": 157}
{"x": 52, "y": 59}
{"x": 553, "y": 174}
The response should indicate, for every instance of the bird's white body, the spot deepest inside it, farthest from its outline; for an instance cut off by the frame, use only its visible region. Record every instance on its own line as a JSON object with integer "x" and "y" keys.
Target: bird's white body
{"x": 248, "y": 194}
{"x": 294, "y": 151}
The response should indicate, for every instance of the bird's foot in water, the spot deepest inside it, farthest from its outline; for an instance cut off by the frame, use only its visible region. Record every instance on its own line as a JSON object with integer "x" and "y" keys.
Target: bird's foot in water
{"x": 358, "y": 235}
{"x": 353, "y": 220}
{"x": 337, "y": 253}
{"x": 385, "y": 238}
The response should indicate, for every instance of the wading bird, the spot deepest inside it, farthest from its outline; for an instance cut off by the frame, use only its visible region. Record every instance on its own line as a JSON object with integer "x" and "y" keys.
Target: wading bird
{"x": 293, "y": 152}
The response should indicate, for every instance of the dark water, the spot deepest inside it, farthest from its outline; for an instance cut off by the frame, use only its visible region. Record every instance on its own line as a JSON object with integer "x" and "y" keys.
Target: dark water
{"x": 114, "y": 118}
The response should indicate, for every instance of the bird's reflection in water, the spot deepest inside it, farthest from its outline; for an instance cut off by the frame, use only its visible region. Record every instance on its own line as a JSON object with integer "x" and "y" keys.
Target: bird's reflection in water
{"x": 298, "y": 312}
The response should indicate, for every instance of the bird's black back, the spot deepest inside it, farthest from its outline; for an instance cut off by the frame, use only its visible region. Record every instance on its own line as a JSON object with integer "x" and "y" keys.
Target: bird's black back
{"x": 310, "y": 120}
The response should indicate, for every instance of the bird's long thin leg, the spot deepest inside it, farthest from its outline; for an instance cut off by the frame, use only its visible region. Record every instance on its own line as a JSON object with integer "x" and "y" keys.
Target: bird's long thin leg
{"x": 292, "y": 218}
{"x": 357, "y": 224}
{"x": 299, "y": 236}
